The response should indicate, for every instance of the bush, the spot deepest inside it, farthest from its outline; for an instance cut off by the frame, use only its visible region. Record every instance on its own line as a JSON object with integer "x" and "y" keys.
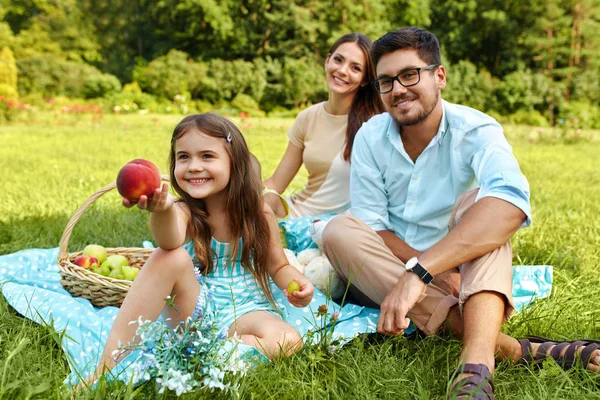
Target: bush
{"x": 227, "y": 79}
{"x": 524, "y": 117}
{"x": 11, "y": 109}
{"x": 8, "y": 91}
{"x": 469, "y": 87}
{"x": 130, "y": 102}
{"x": 586, "y": 87}
{"x": 170, "y": 75}
{"x": 202, "y": 106}
{"x": 51, "y": 76}
{"x": 526, "y": 90}
{"x": 101, "y": 86}
{"x": 303, "y": 82}
{"x": 580, "y": 114}
{"x": 247, "y": 105}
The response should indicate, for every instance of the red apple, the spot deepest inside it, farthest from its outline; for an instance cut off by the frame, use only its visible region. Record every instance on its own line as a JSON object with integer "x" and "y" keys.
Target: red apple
{"x": 86, "y": 262}
{"x": 138, "y": 178}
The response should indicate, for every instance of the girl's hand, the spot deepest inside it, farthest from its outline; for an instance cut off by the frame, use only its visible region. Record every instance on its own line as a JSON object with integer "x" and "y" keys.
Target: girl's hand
{"x": 161, "y": 200}
{"x": 302, "y": 297}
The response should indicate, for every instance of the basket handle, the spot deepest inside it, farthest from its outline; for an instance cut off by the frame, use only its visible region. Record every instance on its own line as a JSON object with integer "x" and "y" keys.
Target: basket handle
{"x": 63, "y": 251}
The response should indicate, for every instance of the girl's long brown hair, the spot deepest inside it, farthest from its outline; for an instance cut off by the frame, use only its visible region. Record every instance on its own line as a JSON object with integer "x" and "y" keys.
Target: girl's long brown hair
{"x": 367, "y": 102}
{"x": 244, "y": 203}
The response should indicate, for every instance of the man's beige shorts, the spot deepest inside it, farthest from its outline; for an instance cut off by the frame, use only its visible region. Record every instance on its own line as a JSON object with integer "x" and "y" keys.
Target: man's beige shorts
{"x": 361, "y": 257}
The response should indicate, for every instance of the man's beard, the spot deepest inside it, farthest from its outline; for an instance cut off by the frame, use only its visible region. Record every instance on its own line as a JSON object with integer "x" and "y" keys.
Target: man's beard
{"x": 421, "y": 116}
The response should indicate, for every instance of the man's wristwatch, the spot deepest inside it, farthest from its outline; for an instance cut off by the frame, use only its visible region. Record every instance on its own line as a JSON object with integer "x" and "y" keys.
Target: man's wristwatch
{"x": 413, "y": 265}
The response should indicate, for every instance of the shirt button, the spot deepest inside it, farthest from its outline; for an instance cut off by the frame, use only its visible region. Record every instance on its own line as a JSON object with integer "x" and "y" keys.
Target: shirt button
{"x": 415, "y": 177}
{"x": 410, "y": 203}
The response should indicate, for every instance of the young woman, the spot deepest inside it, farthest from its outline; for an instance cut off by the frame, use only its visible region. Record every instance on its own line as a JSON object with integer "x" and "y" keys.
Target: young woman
{"x": 322, "y": 135}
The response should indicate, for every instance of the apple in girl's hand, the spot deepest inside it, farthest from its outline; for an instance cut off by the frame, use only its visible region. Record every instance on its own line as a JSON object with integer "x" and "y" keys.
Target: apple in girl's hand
{"x": 138, "y": 178}
{"x": 85, "y": 261}
{"x": 293, "y": 286}
{"x": 97, "y": 251}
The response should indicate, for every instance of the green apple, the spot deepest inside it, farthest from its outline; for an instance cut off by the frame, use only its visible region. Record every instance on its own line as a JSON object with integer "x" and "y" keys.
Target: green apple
{"x": 130, "y": 272}
{"x": 112, "y": 265}
{"x": 102, "y": 270}
{"x": 293, "y": 286}
{"x": 116, "y": 275}
{"x": 95, "y": 250}
{"x": 118, "y": 260}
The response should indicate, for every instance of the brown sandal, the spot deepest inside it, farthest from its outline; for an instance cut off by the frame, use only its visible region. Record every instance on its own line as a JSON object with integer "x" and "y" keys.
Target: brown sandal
{"x": 566, "y": 361}
{"x": 478, "y": 386}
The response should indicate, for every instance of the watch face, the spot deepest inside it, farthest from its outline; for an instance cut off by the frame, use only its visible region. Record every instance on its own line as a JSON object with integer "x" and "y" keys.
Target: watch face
{"x": 410, "y": 264}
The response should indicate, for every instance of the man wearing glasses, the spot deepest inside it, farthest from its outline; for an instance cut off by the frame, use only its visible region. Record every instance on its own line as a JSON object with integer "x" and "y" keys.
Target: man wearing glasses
{"x": 436, "y": 195}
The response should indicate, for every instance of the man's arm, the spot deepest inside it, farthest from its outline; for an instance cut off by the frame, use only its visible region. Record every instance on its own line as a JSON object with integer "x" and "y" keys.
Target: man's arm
{"x": 397, "y": 246}
{"x": 486, "y": 226}
{"x": 368, "y": 196}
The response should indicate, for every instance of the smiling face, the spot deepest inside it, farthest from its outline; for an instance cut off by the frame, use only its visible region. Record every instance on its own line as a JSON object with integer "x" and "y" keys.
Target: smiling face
{"x": 345, "y": 69}
{"x": 411, "y": 105}
{"x": 202, "y": 165}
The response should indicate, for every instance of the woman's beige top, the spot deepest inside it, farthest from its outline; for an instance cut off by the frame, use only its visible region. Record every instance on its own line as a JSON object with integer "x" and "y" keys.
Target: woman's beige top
{"x": 322, "y": 136}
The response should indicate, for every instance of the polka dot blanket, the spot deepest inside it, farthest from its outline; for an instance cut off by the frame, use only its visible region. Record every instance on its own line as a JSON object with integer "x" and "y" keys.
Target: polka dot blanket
{"x": 30, "y": 282}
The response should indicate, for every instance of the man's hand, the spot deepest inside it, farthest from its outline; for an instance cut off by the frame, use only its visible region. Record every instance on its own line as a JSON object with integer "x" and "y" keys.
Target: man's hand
{"x": 392, "y": 319}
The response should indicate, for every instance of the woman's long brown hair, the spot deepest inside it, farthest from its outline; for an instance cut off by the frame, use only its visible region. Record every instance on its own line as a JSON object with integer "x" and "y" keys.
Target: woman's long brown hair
{"x": 367, "y": 102}
{"x": 244, "y": 203}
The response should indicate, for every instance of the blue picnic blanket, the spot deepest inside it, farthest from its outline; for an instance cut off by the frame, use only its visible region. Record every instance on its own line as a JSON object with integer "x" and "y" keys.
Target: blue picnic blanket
{"x": 30, "y": 282}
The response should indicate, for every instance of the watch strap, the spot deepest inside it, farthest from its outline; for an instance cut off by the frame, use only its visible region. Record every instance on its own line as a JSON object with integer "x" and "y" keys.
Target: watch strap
{"x": 422, "y": 273}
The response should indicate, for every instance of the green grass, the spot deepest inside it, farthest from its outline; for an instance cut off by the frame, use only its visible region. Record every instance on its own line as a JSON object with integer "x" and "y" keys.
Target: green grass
{"x": 51, "y": 165}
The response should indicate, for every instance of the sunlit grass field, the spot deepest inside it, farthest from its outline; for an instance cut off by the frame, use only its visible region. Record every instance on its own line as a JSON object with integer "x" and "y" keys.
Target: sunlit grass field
{"x": 50, "y": 166}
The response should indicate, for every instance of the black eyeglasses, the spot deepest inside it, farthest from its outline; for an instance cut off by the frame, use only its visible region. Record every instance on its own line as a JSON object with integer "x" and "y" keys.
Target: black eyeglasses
{"x": 408, "y": 77}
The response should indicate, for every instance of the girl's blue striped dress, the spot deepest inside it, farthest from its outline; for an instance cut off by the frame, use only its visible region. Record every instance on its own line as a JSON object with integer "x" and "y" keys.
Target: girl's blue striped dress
{"x": 229, "y": 291}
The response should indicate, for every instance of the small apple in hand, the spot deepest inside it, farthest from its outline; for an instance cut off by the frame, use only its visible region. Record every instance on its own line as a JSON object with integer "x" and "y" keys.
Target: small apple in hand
{"x": 95, "y": 250}
{"x": 293, "y": 286}
{"x": 138, "y": 178}
{"x": 85, "y": 261}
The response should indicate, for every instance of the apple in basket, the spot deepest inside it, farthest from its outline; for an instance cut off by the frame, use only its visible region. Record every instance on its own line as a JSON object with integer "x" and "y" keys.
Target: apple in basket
{"x": 129, "y": 272}
{"x": 102, "y": 270}
{"x": 85, "y": 261}
{"x": 137, "y": 178}
{"x": 115, "y": 262}
{"x": 95, "y": 250}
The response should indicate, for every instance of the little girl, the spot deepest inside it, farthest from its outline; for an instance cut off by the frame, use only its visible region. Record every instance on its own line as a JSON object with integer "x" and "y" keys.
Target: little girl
{"x": 235, "y": 239}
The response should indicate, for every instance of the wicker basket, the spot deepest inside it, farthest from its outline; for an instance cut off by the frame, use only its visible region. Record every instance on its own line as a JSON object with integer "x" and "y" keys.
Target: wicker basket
{"x": 100, "y": 290}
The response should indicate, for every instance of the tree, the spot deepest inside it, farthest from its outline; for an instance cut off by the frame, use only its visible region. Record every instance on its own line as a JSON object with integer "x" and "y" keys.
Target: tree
{"x": 8, "y": 73}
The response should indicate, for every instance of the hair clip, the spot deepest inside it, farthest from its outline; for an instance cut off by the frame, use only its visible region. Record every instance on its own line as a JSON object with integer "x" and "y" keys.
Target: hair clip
{"x": 229, "y": 137}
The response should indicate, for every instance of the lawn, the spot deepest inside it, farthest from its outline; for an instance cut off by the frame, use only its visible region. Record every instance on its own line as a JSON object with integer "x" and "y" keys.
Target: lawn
{"x": 51, "y": 165}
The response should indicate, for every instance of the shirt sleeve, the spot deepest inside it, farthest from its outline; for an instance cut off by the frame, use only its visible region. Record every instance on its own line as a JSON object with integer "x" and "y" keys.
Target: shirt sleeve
{"x": 368, "y": 197}
{"x": 297, "y": 131}
{"x": 496, "y": 168}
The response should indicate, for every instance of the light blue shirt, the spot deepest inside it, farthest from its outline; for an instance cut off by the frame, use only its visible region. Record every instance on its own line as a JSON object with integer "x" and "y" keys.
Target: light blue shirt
{"x": 388, "y": 191}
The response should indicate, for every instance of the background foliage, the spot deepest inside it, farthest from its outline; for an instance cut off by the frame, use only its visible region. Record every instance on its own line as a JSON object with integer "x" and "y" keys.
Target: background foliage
{"x": 529, "y": 61}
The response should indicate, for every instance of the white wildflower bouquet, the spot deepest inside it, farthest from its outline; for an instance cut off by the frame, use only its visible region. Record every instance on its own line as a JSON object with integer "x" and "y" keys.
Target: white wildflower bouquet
{"x": 192, "y": 355}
